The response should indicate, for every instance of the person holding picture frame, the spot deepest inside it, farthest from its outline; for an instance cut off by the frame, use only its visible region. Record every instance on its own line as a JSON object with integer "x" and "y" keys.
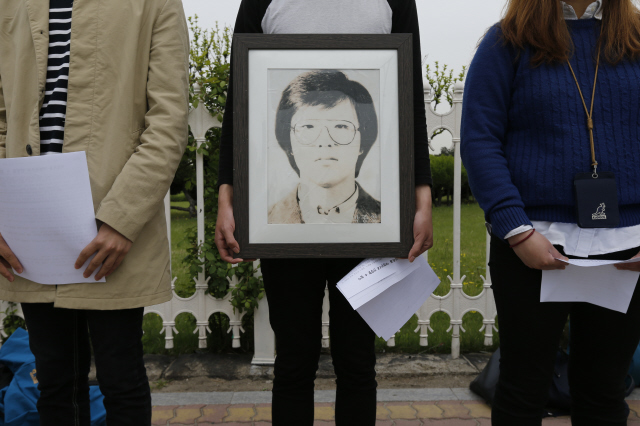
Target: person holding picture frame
{"x": 295, "y": 288}
{"x": 550, "y": 130}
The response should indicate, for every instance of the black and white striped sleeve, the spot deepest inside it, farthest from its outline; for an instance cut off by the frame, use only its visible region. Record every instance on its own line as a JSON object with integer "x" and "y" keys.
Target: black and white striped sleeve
{"x": 54, "y": 107}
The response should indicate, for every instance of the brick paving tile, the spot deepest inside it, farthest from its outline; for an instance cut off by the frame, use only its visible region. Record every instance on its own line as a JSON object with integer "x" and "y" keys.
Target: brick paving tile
{"x": 263, "y": 413}
{"x": 635, "y": 409}
{"x": 240, "y": 413}
{"x": 453, "y": 409}
{"x": 323, "y": 423}
{"x": 187, "y": 414}
{"x": 549, "y": 421}
{"x": 401, "y": 410}
{"x": 484, "y": 422}
{"x": 427, "y": 410}
{"x": 213, "y": 414}
{"x": 235, "y": 424}
{"x": 478, "y": 410}
{"x": 381, "y": 412}
{"x": 408, "y": 423}
{"x": 449, "y": 422}
{"x": 161, "y": 415}
{"x": 262, "y": 424}
{"x": 384, "y": 423}
{"x": 324, "y": 411}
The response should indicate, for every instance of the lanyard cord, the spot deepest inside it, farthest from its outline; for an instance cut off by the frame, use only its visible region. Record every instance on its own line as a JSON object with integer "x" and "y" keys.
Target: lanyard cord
{"x": 594, "y": 163}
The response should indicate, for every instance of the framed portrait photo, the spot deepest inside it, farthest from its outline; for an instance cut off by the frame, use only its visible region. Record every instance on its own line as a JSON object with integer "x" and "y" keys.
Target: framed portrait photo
{"x": 323, "y": 145}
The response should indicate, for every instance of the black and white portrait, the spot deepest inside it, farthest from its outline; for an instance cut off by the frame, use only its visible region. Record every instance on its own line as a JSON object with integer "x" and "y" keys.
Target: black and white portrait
{"x": 323, "y": 146}
{"x": 323, "y": 154}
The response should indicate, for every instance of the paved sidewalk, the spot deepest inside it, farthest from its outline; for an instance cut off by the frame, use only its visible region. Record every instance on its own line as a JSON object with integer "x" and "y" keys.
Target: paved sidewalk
{"x": 443, "y": 407}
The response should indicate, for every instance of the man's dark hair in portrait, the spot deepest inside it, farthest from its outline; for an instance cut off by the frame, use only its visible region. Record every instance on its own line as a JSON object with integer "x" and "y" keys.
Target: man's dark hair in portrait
{"x": 326, "y": 88}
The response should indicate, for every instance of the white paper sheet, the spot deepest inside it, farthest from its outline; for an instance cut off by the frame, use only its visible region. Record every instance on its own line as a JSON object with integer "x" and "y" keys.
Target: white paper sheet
{"x": 47, "y": 216}
{"x": 375, "y": 289}
{"x": 588, "y": 263}
{"x": 371, "y": 272}
{"x": 386, "y": 305}
{"x": 593, "y": 281}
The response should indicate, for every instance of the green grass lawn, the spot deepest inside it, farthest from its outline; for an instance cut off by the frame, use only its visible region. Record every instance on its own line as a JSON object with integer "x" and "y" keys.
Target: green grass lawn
{"x": 440, "y": 258}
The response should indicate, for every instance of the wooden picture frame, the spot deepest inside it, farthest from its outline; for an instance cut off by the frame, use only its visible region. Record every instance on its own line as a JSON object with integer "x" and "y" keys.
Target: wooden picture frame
{"x": 260, "y": 63}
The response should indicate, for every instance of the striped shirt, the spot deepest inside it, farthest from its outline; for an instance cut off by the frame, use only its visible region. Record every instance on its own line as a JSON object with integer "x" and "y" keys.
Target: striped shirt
{"x": 54, "y": 107}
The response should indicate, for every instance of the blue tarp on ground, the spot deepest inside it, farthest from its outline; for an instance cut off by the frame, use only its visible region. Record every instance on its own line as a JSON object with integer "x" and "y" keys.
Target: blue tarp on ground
{"x": 18, "y": 400}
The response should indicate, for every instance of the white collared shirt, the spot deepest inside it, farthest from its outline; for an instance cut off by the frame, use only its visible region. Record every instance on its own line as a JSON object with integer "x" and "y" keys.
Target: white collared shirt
{"x": 578, "y": 241}
{"x": 593, "y": 11}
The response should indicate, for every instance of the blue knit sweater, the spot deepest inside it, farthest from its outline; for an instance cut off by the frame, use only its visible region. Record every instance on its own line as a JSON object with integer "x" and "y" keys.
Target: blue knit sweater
{"x": 524, "y": 133}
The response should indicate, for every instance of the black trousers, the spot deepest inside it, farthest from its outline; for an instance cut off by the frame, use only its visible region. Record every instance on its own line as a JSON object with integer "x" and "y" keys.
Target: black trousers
{"x": 295, "y": 291}
{"x": 602, "y": 345}
{"x": 59, "y": 339}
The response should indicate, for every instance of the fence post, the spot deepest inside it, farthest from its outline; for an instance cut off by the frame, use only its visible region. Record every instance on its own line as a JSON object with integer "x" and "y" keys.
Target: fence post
{"x": 456, "y": 284}
{"x": 264, "y": 338}
{"x": 201, "y": 120}
{"x": 167, "y": 214}
{"x": 451, "y": 121}
{"x": 325, "y": 319}
{"x": 489, "y": 320}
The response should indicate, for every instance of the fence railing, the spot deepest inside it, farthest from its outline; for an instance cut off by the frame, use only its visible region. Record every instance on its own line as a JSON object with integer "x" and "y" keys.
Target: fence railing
{"x": 201, "y": 305}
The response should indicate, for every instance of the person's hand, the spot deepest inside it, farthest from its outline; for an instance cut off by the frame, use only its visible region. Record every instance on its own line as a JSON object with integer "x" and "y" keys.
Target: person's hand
{"x": 8, "y": 260}
{"x": 635, "y": 266}
{"x": 537, "y": 252}
{"x": 226, "y": 225}
{"x": 110, "y": 248}
{"x": 422, "y": 223}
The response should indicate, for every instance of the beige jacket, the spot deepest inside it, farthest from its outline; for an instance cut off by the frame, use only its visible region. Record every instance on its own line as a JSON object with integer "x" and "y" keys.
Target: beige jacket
{"x": 127, "y": 108}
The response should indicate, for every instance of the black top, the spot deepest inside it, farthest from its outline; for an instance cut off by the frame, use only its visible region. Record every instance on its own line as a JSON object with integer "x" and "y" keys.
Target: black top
{"x": 404, "y": 20}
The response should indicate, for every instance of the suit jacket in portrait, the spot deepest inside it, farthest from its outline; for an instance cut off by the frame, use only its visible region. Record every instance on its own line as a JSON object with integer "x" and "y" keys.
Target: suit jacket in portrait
{"x": 287, "y": 210}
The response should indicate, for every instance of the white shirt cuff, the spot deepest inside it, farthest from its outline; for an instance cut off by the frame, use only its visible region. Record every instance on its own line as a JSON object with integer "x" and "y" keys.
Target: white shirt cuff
{"x": 519, "y": 230}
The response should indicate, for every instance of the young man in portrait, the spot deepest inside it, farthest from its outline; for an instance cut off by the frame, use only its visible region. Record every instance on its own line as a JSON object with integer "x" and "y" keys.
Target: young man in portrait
{"x": 326, "y": 124}
{"x": 110, "y": 79}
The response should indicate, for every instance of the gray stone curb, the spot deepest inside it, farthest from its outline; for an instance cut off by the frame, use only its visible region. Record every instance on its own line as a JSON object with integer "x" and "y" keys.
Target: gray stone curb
{"x": 384, "y": 395}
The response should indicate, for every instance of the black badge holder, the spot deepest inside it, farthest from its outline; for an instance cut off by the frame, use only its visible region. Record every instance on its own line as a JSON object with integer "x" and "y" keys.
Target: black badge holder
{"x": 596, "y": 200}
{"x": 595, "y": 194}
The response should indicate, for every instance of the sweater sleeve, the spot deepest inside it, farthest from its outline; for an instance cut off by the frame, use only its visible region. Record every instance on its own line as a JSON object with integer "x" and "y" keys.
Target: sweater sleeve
{"x": 485, "y": 121}
{"x": 405, "y": 20}
{"x": 249, "y": 20}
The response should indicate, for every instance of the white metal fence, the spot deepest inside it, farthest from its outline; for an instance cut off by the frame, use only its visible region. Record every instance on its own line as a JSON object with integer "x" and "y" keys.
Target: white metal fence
{"x": 456, "y": 303}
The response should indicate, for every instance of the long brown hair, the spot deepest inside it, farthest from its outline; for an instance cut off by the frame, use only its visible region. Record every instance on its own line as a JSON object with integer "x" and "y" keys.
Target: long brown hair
{"x": 540, "y": 24}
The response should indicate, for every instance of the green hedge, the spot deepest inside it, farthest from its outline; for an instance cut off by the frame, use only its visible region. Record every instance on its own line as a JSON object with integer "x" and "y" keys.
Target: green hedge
{"x": 442, "y": 172}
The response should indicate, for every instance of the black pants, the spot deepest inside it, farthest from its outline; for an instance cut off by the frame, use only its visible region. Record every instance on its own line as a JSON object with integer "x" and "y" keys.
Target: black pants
{"x": 295, "y": 291}
{"x": 602, "y": 345}
{"x": 59, "y": 339}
